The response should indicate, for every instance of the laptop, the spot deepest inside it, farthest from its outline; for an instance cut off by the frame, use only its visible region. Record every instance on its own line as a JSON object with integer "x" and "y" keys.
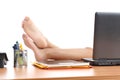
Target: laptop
{"x": 106, "y": 44}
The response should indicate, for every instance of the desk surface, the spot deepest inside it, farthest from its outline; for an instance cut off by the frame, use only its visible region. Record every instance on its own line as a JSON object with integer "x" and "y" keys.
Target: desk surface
{"x": 32, "y": 72}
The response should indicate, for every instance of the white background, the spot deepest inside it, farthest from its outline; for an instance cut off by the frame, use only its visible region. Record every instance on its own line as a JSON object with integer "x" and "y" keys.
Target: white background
{"x": 66, "y": 23}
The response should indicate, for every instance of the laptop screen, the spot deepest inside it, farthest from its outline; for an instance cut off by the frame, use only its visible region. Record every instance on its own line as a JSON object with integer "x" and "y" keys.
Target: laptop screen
{"x": 106, "y": 36}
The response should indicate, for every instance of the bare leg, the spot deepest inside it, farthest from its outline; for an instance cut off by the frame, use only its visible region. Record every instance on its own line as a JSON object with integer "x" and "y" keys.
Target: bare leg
{"x": 72, "y": 54}
{"x": 33, "y": 32}
{"x": 56, "y": 53}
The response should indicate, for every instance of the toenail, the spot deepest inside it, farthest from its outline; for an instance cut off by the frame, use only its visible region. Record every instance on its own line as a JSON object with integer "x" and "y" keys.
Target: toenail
{"x": 26, "y": 18}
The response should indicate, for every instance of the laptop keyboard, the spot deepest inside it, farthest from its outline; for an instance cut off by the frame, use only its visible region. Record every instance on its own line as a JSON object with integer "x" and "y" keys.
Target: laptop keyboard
{"x": 105, "y": 62}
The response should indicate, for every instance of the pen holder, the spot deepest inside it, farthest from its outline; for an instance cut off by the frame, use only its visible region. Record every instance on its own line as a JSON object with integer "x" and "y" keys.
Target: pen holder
{"x": 20, "y": 58}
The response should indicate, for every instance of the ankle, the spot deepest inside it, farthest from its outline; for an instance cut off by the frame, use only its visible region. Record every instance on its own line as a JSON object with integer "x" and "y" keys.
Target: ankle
{"x": 48, "y": 53}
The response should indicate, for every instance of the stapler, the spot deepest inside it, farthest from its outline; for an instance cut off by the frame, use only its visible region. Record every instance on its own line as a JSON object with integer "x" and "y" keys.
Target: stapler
{"x": 3, "y": 59}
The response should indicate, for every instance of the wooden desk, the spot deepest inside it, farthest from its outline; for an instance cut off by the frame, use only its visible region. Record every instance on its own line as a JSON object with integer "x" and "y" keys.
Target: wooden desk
{"x": 31, "y": 72}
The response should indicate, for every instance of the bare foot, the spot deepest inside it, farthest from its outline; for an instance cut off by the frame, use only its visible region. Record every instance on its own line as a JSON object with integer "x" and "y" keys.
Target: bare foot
{"x": 39, "y": 53}
{"x": 33, "y": 32}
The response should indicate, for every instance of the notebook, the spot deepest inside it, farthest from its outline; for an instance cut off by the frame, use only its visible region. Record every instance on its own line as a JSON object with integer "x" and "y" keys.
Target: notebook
{"x": 106, "y": 44}
{"x": 52, "y": 64}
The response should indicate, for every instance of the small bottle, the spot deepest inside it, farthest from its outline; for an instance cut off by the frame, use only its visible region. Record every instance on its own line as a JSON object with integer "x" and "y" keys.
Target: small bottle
{"x": 25, "y": 57}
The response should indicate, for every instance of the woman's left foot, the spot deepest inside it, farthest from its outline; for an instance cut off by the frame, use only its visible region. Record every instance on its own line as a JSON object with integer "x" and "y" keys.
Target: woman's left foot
{"x": 33, "y": 32}
{"x": 39, "y": 53}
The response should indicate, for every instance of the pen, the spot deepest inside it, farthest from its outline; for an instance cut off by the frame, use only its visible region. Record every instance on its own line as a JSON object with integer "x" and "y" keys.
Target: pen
{"x": 15, "y": 55}
{"x": 20, "y": 54}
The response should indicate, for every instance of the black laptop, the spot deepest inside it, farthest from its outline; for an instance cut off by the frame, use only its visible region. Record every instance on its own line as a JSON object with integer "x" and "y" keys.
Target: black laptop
{"x": 106, "y": 46}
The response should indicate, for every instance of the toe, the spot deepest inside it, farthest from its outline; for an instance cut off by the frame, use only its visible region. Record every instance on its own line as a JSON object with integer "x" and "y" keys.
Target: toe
{"x": 27, "y": 18}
